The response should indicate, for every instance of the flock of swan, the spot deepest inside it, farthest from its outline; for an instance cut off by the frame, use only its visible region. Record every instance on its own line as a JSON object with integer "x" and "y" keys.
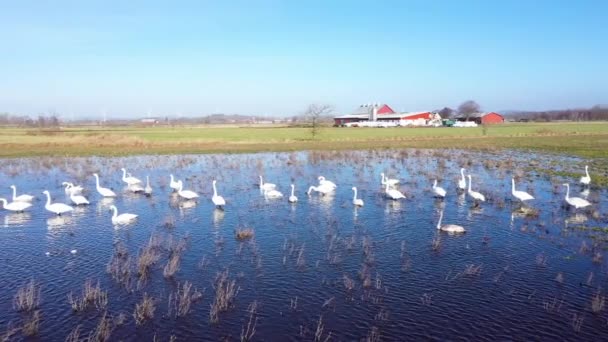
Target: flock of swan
{"x": 22, "y": 202}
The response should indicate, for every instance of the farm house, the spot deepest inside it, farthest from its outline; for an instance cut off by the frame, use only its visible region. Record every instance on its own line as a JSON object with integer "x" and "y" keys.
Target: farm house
{"x": 483, "y": 118}
{"x": 381, "y": 115}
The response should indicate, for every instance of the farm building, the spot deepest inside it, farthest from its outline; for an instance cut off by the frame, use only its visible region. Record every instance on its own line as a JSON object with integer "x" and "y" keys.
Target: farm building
{"x": 382, "y": 114}
{"x": 483, "y": 118}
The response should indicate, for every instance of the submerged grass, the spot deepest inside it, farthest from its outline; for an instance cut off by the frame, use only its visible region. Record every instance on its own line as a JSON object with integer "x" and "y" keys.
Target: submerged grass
{"x": 584, "y": 139}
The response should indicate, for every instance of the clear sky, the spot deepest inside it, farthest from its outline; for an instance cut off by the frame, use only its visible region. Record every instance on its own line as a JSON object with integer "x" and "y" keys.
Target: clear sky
{"x": 128, "y": 58}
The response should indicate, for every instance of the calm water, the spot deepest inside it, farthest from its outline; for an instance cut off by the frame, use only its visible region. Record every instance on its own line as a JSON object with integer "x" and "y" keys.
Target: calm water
{"x": 511, "y": 276}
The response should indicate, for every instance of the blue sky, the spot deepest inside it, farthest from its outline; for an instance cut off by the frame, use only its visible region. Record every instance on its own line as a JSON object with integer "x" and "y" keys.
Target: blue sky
{"x": 128, "y": 58}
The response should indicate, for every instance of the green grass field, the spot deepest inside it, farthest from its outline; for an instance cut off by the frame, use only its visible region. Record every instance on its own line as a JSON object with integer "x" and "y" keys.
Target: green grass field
{"x": 583, "y": 139}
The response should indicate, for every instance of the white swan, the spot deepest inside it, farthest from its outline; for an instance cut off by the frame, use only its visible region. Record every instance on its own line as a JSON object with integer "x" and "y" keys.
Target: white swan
{"x": 173, "y": 184}
{"x": 266, "y": 186}
{"x": 327, "y": 183}
{"x": 122, "y": 218}
{"x": 449, "y": 228}
{"x": 356, "y": 201}
{"x": 70, "y": 188}
{"x": 187, "y": 194}
{"x": 585, "y": 180}
{"x": 390, "y": 181}
{"x": 56, "y": 208}
{"x": 324, "y": 190}
{"x": 292, "y": 198}
{"x": 105, "y": 192}
{"x": 520, "y": 195}
{"x": 272, "y": 194}
{"x": 78, "y": 199}
{"x": 135, "y": 188}
{"x": 439, "y": 191}
{"x": 15, "y": 206}
{"x": 462, "y": 182}
{"x": 21, "y": 198}
{"x": 148, "y": 188}
{"x": 393, "y": 194}
{"x": 130, "y": 180}
{"x": 576, "y": 202}
{"x": 216, "y": 199}
{"x": 476, "y": 195}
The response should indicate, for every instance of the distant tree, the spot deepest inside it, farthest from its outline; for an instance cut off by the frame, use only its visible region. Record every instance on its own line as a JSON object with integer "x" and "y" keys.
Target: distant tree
{"x": 41, "y": 121}
{"x": 468, "y": 107}
{"x": 54, "y": 121}
{"x": 446, "y": 112}
{"x": 314, "y": 114}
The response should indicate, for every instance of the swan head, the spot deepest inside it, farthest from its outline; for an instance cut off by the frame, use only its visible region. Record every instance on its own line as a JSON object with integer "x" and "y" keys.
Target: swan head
{"x": 469, "y": 176}
{"x": 95, "y": 175}
{"x": 12, "y": 187}
{"x": 566, "y": 184}
{"x": 46, "y": 192}
{"x": 354, "y": 188}
{"x": 321, "y": 178}
{"x": 123, "y": 169}
{"x": 214, "y": 181}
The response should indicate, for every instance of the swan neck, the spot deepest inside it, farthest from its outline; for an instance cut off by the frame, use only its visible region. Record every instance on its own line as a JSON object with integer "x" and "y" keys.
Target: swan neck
{"x": 114, "y": 212}
{"x": 215, "y": 190}
{"x": 292, "y": 189}
{"x": 587, "y": 171}
{"x": 512, "y": 185}
{"x": 48, "y": 199}
{"x": 355, "y": 194}
{"x": 14, "y": 193}
{"x": 440, "y": 218}
{"x": 567, "y": 191}
{"x": 469, "y": 182}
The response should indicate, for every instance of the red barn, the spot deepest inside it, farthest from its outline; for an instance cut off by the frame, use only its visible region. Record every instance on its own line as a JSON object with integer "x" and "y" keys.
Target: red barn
{"x": 367, "y": 112}
{"x": 492, "y": 118}
{"x": 483, "y": 118}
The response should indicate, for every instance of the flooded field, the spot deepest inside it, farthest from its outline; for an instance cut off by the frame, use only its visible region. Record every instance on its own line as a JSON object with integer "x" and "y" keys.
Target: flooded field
{"x": 319, "y": 269}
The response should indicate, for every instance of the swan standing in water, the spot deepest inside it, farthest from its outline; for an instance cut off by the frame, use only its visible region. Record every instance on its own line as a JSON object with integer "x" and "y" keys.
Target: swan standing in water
{"x": 520, "y": 195}
{"x": 292, "y": 198}
{"x": 135, "y": 188}
{"x": 390, "y": 181}
{"x": 272, "y": 194}
{"x": 585, "y": 180}
{"x": 148, "y": 188}
{"x": 130, "y": 180}
{"x": 78, "y": 199}
{"x": 187, "y": 194}
{"x": 356, "y": 201}
{"x": 576, "y": 202}
{"x": 476, "y": 195}
{"x": 105, "y": 192}
{"x": 72, "y": 189}
{"x": 327, "y": 183}
{"x": 122, "y": 218}
{"x": 462, "y": 182}
{"x": 15, "y": 206}
{"x": 216, "y": 199}
{"x": 21, "y": 198}
{"x": 173, "y": 184}
{"x": 393, "y": 194}
{"x": 439, "y": 191}
{"x": 324, "y": 190}
{"x": 266, "y": 186}
{"x": 449, "y": 228}
{"x": 56, "y": 208}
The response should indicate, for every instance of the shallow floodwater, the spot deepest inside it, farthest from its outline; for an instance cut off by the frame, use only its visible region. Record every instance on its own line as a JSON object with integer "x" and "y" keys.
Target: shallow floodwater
{"x": 320, "y": 267}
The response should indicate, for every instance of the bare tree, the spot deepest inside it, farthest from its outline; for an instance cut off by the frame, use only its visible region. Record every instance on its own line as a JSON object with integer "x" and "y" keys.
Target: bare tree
{"x": 315, "y": 114}
{"x": 468, "y": 107}
{"x": 446, "y": 112}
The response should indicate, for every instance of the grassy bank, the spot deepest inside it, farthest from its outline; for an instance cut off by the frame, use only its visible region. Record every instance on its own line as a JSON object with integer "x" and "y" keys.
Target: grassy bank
{"x": 582, "y": 139}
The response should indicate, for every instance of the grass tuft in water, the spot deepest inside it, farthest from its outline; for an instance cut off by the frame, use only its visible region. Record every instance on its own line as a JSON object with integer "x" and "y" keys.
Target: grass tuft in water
{"x": 27, "y": 298}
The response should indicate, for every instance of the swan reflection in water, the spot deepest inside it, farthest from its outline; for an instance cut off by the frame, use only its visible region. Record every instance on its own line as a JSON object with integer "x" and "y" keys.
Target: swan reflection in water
{"x": 58, "y": 221}
{"x": 103, "y": 206}
{"x": 14, "y": 219}
{"x": 578, "y": 218}
{"x": 218, "y": 216}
